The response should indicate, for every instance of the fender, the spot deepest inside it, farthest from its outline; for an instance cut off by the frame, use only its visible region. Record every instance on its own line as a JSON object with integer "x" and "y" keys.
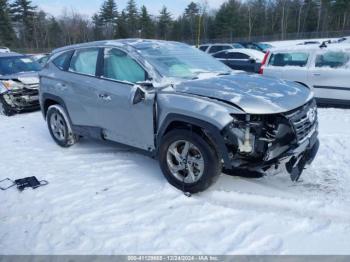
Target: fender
{"x": 212, "y": 131}
{"x": 57, "y": 99}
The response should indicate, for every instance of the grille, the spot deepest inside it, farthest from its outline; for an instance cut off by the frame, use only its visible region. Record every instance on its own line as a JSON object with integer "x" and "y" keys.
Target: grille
{"x": 303, "y": 121}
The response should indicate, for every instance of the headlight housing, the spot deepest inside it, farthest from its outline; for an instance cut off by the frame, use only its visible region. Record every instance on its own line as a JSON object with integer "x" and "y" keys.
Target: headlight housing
{"x": 10, "y": 85}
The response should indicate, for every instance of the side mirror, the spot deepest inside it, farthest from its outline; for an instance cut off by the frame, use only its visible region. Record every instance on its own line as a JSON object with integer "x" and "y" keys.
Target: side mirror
{"x": 139, "y": 96}
{"x": 145, "y": 84}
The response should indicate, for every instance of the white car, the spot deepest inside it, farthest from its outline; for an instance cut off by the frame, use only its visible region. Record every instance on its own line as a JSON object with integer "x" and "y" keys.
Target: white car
{"x": 326, "y": 70}
{"x": 4, "y": 49}
{"x": 214, "y": 48}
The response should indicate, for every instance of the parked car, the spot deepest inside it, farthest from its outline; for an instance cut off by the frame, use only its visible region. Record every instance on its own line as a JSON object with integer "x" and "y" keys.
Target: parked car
{"x": 41, "y": 59}
{"x": 325, "y": 70}
{"x": 4, "y": 49}
{"x": 214, "y": 48}
{"x": 248, "y": 60}
{"x": 180, "y": 105}
{"x": 18, "y": 83}
{"x": 262, "y": 47}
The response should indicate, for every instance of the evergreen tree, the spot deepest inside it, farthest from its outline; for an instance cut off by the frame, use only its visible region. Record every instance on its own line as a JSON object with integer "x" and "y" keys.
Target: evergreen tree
{"x": 97, "y": 27}
{"x": 109, "y": 12}
{"x": 191, "y": 21}
{"x": 54, "y": 34}
{"x": 164, "y": 23}
{"x": 23, "y": 14}
{"x": 132, "y": 18}
{"x": 122, "y": 29}
{"x": 7, "y": 35}
{"x": 146, "y": 24}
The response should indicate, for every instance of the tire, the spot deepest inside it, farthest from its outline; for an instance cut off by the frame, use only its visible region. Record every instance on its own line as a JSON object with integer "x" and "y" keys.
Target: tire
{"x": 60, "y": 127}
{"x": 192, "y": 177}
{"x": 5, "y": 108}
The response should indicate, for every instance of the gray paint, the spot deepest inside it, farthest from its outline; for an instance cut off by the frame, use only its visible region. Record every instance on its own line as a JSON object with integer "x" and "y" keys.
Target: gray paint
{"x": 131, "y": 124}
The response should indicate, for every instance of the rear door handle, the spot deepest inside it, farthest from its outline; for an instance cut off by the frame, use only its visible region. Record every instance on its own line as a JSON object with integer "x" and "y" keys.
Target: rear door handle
{"x": 316, "y": 74}
{"x": 104, "y": 97}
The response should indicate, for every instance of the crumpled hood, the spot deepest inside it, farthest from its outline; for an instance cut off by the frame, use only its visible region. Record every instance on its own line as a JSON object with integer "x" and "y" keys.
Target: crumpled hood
{"x": 27, "y": 78}
{"x": 252, "y": 93}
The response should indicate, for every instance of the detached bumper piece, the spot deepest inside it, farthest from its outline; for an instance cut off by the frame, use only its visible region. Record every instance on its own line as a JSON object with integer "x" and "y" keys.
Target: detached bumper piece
{"x": 296, "y": 165}
{"x": 21, "y": 100}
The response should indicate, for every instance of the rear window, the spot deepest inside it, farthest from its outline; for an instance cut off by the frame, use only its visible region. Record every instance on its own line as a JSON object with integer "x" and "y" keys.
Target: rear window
{"x": 289, "y": 59}
{"x": 333, "y": 60}
{"x": 62, "y": 61}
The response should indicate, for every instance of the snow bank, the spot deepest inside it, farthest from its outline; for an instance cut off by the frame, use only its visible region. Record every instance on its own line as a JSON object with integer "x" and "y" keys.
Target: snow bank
{"x": 104, "y": 199}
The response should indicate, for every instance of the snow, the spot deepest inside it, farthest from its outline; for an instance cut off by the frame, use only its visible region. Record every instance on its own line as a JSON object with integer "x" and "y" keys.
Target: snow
{"x": 105, "y": 199}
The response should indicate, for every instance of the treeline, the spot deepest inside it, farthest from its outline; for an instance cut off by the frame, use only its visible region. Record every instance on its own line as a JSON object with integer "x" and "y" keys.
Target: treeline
{"x": 24, "y": 25}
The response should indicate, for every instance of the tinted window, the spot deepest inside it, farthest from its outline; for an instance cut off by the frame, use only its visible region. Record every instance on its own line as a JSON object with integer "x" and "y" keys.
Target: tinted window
{"x": 84, "y": 61}
{"x": 119, "y": 66}
{"x": 60, "y": 61}
{"x": 333, "y": 60}
{"x": 237, "y": 56}
{"x": 218, "y": 48}
{"x": 17, "y": 64}
{"x": 289, "y": 59}
{"x": 221, "y": 55}
{"x": 203, "y": 48}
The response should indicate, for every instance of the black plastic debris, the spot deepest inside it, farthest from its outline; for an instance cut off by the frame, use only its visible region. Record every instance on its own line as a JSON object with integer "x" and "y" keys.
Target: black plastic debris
{"x": 22, "y": 183}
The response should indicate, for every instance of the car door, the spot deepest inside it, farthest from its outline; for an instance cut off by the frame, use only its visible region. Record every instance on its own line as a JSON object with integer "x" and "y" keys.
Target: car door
{"x": 329, "y": 75}
{"x": 78, "y": 85}
{"x": 121, "y": 119}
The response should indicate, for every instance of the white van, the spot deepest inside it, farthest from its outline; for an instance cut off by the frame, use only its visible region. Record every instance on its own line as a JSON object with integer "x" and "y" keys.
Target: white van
{"x": 325, "y": 69}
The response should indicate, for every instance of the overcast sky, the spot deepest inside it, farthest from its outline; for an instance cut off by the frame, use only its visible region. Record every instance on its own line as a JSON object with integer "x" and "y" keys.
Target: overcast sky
{"x": 89, "y": 7}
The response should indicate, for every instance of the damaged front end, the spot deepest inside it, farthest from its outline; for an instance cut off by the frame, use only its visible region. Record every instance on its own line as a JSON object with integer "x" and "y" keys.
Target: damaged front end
{"x": 263, "y": 142}
{"x": 16, "y": 96}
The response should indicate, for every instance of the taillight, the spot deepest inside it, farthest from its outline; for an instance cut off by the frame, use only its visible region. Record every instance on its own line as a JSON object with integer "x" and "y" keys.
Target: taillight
{"x": 261, "y": 70}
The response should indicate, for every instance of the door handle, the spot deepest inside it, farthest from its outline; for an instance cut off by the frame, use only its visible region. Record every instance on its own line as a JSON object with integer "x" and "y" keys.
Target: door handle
{"x": 316, "y": 74}
{"x": 104, "y": 97}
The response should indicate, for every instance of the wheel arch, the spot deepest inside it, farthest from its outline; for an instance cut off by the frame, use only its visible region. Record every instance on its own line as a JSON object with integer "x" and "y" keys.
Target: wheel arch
{"x": 206, "y": 129}
{"x": 49, "y": 100}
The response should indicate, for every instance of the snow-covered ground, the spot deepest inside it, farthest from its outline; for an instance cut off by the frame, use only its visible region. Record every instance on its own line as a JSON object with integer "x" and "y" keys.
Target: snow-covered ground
{"x": 103, "y": 199}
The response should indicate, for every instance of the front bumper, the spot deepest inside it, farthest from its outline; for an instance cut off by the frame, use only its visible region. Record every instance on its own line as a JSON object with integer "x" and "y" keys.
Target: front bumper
{"x": 21, "y": 100}
{"x": 295, "y": 159}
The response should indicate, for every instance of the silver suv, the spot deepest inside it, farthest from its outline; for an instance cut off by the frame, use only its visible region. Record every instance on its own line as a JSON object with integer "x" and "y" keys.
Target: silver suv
{"x": 179, "y": 105}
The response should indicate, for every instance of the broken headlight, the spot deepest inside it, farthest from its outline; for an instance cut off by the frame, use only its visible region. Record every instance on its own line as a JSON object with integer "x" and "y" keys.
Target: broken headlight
{"x": 243, "y": 129}
{"x": 11, "y": 85}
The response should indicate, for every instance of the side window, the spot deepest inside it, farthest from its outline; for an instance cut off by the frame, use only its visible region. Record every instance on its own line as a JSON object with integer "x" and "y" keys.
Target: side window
{"x": 62, "y": 60}
{"x": 238, "y": 56}
{"x": 333, "y": 60}
{"x": 221, "y": 55}
{"x": 289, "y": 59}
{"x": 218, "y": 48}
{"x": 84, "y": 61}
{"x": 120, "y": 66}
{"x": 203, "y": 48}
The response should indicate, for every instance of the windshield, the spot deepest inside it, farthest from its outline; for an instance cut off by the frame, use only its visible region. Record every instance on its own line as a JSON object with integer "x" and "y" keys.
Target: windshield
{"x": 17, "y": 64}
{"x": 237, "y": 45}
{"x": 180, "y": 60}
{"x": 264, "y": 47}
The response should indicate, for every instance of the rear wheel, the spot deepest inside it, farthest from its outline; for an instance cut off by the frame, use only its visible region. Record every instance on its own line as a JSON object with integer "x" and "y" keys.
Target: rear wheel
{"x": 188, "y": 161}
{"x": 59, "y": 126}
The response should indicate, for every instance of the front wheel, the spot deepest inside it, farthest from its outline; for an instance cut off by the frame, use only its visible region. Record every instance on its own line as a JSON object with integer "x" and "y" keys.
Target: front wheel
{"x": 5, "y": 108}
{"x": 59, "y": 126}
{"x": 188, "y": 161}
